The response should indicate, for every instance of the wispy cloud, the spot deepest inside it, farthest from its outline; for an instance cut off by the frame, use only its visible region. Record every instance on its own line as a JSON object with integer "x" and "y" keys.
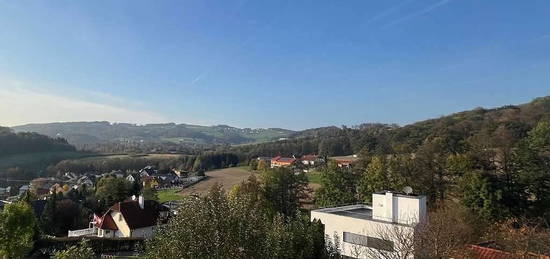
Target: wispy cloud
{"x": 199, "y": 78}
{"x": 388, "y": 11}
{"x": 21, "y": 105}
{"x": 424, "y": 11}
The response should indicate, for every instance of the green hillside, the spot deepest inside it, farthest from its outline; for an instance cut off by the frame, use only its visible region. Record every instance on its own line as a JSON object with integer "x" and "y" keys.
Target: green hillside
{"x": 90, "y": 133}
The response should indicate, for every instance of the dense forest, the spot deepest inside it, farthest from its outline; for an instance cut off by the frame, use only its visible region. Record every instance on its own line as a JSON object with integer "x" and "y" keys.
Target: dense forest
{"x": 456, "y": 133}
{"x": 24, "y": 142}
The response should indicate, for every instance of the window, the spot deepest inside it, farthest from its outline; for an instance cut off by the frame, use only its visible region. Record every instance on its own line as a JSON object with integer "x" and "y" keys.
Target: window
{"x": 119, "y": 217}
{"x": 367, "y": 241}
{"x": 380, "y": 244}
{"x": 355, "y": 239}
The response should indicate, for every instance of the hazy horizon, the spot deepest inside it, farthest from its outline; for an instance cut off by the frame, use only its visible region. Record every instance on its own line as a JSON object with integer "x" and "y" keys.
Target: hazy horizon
{"x": 294, "y": 129}
{"x": 293, "y": 65}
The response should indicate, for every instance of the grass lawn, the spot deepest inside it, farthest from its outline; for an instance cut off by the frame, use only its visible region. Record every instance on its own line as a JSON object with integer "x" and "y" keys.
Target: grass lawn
{"x": 314, "y": 177}
{"x": 170, "y": 195}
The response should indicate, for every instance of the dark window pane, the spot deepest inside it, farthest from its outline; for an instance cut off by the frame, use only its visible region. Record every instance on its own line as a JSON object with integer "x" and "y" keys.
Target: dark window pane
{"x": 380, "y": 244}
{"x": 367, "y": 241}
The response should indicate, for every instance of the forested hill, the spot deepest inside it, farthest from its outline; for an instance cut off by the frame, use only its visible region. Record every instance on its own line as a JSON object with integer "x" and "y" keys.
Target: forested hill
{"x": 23, "y": 143}
{"x": 454, "y": 133}
{"x": 90, "y": 133}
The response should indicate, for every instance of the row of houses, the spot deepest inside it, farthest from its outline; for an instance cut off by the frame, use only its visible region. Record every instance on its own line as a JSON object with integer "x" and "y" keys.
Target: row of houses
{"x": 307, "y": 160}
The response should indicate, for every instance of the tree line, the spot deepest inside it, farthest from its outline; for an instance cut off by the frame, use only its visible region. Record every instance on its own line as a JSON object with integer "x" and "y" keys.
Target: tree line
{"x": 457, "y": 133}
{"x": 26, "y": 142}
{"x": 202, "y": 162}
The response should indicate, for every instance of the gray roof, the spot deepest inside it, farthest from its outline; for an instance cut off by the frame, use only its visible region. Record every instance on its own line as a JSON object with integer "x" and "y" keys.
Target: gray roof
{"x": 359, "y": 211}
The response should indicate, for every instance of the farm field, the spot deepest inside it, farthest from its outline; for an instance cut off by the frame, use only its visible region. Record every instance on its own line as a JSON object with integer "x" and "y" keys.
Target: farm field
{"x": 227, "y": 177}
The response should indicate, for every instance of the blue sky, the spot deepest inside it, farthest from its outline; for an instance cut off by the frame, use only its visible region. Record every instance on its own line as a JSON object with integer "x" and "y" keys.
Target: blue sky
{"x": 290, "y": 64}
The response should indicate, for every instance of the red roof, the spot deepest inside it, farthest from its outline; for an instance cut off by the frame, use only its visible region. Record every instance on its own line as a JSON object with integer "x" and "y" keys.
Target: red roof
{"x": 309, "y": 157}
{"x": 107, "y": 222}
{"x": 489, "y": 253}
{"x": 285, "y": 160}
{"x": 135, "y": 216}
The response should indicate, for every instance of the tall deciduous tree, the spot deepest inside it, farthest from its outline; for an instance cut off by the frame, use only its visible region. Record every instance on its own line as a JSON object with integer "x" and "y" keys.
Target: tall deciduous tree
{"x": 218, "y": 226}
{"x": 283, "y": 189}
{"x": 338, "y": 186}
{"x": 111, "y": 190}
{"x": 17, "y": 229}
{"x": 479, "y": 191}
{"x": 532, "y": 163}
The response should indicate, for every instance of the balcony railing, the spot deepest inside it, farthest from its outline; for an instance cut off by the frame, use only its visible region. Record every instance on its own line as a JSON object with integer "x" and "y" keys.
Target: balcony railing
{"x": 83, "y": 232}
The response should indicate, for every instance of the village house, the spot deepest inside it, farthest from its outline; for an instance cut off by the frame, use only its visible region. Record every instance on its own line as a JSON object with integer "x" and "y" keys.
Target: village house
{"x": 266, "y": 159}
{"x": 147, "y": 171}
{"x": 58, "y": 188}
{"x": 131, "y": 178}
{"x": 23, "y": 189}
{"x": 311, "y": 160}
{"x": 279, "y": 161}
{"x": 5, "y": 191}
{"x": 133, "y": 218}
{"x": 150, "y": 182}
{"x": 345, "y": 161}
{"x": 375, "y": 231}
{"x": 85, "y": 180}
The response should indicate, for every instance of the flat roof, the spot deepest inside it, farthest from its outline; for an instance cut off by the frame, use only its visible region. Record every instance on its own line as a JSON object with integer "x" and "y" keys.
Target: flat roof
{"x": 358, "y": 211}
{"x": 401, "y": 194}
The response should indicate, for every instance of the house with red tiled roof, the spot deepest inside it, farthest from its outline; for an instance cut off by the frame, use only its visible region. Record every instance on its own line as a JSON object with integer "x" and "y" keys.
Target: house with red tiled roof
{"x": 280, "y": 161}
{"x": 132, "y": 218}
{"x": 311, "y": 160}
{"x": 481, "y": 251}
{"x": 491, "y": 250}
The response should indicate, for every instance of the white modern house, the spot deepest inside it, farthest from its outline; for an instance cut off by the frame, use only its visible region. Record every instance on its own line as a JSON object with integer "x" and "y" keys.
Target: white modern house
{"x": 384, "y": 230}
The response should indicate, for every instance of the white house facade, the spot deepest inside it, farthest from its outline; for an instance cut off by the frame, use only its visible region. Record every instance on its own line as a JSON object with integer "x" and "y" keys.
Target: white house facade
{"x": 385, "y": 229}
{"x": 133, "y": 218}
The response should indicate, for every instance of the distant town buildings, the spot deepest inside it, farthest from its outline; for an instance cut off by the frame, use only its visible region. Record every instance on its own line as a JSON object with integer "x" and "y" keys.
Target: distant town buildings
{"x": 280, "y": 161}
{"x": 311, "y": 160}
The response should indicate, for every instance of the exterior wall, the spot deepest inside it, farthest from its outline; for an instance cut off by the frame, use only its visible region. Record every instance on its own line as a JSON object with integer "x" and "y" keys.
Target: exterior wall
{"x": 410, "y": 210}
{"x": 105, "y": 233}
{"x": 337, "y": 225}
{"x": 308, "y": 162}
{"x": 398, "y": 208}
{"x": 119, "y": 233}
{"x": 143, "y": 232}
{"x": 279, "y": 164}
{"x": 121, "y": 223}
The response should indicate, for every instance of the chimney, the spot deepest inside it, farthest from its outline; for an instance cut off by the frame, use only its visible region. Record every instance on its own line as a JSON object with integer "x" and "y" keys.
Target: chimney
{"x": 141, "y": 202}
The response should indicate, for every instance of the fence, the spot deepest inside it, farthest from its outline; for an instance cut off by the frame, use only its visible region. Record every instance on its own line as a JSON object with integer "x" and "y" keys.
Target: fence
{"x": 82, "y": 232}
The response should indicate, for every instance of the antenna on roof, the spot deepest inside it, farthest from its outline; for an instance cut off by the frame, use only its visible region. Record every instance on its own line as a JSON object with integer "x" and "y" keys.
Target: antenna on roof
{"x": 408, "y": 190}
